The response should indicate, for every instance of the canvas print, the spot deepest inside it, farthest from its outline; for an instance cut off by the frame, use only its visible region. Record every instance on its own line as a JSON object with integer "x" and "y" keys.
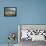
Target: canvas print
{"x": 10, "y": 11}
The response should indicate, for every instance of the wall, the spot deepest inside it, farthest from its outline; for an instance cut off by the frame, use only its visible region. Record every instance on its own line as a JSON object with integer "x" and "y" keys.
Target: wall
{"x": 28, "y": 12}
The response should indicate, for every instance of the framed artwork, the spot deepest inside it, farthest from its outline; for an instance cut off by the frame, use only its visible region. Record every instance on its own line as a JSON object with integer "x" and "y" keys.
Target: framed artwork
{"x": 10, "y": 11}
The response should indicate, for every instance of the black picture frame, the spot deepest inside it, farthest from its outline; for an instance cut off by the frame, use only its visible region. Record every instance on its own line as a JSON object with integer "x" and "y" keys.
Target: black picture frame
{"x": 10, "y": 11}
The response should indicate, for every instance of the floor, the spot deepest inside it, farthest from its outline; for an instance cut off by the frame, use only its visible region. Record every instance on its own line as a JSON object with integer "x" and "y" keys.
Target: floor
{"x": 7, "y": 45}
{"x": 30, "y": 43}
